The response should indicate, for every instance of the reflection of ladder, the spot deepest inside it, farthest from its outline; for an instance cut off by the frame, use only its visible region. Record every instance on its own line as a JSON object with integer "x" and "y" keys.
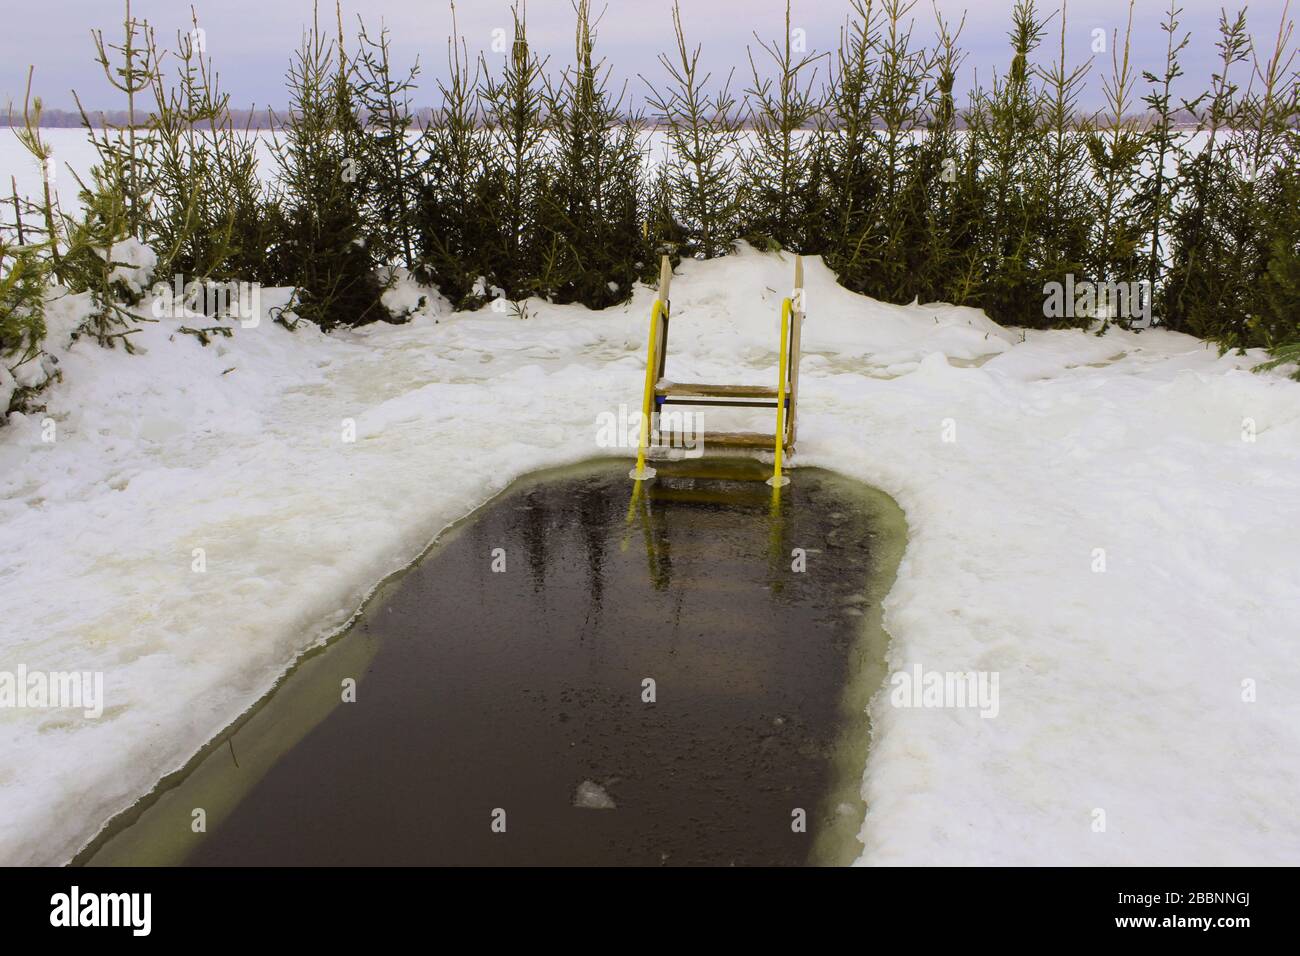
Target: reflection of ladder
{"x": 783, "y": 398}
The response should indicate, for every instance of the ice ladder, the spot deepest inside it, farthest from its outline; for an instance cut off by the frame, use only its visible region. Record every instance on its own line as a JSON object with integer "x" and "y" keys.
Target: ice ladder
{"x": 783, "y": 398}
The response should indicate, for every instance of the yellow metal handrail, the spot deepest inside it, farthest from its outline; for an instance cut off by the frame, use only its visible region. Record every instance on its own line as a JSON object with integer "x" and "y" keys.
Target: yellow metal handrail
{"x": 648, "y": 401}
{"x": 780, "y": 392}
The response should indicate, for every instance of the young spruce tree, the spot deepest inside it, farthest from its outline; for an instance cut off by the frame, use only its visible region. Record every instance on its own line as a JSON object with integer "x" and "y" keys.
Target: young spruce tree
{"x": 1195, "y": 297}
{"x": 698, "y": 185}
{"x": 519, "y": 167}
{"x": 779, "y": 201}
{"x": 592, "y": 206}
{"x": 1114, "y": 151}
{"x": 1005, "y": 141}
{"x": 454, "y": 216}
{"x": 324, "y": 243}
{"x": 389, "y": 161}
{"x": 1164, "y": 150}
{"x": 1059, "y": 182}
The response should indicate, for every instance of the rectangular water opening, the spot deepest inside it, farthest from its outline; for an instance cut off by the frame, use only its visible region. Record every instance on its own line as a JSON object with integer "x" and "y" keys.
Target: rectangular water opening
{"x": 586, "y": 671}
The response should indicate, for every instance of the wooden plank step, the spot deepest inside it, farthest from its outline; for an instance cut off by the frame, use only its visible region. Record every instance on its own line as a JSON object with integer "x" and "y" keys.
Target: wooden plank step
{"x": 720, "y": 439}
{"x": 661, "y": 400}
{"x": 691, "y": 389}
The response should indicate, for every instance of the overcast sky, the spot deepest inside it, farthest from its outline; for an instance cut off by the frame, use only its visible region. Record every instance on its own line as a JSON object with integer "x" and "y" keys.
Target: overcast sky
{"x": 251, "y": 40}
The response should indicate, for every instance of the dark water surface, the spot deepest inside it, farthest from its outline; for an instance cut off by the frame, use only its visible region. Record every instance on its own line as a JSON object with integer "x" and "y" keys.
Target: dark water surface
{"x": 487, "y": 695}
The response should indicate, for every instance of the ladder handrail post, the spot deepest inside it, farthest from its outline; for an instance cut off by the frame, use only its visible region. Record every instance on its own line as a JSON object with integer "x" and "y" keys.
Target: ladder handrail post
{"x": 796, "y": 332}
{"x": 647, "y": 398}
{"x": 781, "y": 389}
{"x": 652, "y": 363}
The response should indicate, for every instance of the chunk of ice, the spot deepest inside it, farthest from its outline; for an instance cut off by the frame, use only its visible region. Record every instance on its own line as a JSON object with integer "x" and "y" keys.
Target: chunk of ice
{"x": 592, "y": 796}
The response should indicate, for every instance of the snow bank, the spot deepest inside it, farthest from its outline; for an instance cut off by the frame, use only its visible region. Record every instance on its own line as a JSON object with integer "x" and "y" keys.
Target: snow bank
{"x": 1121, "y": 691}
{"x": 65, "y": 313}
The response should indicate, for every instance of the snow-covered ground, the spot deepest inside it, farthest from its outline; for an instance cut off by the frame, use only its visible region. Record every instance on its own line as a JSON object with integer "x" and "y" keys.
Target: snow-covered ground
{"x": 1015, "y": 460}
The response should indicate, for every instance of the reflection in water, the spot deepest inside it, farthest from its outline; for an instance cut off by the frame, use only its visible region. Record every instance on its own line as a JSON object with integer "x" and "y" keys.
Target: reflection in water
{"x": 533, "y": 533}
{"x": 594, "y": 512}
{"x": 653, "y": 640}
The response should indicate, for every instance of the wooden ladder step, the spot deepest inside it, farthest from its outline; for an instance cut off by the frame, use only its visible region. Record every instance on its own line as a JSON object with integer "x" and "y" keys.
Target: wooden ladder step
{"x": 697, "y": 390}
{"x": 721, "y": 439}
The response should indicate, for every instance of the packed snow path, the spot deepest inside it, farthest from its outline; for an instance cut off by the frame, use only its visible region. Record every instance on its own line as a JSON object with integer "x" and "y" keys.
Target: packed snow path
{"x": 1024, "y": 467}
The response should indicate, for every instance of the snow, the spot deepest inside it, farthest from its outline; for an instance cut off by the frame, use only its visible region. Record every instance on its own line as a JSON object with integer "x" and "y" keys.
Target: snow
{"x": 1120, "y": 691}
{"x": 404, "y": 298}
{"x": 133, "y": 264}
{"x": 7, "y": 385}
